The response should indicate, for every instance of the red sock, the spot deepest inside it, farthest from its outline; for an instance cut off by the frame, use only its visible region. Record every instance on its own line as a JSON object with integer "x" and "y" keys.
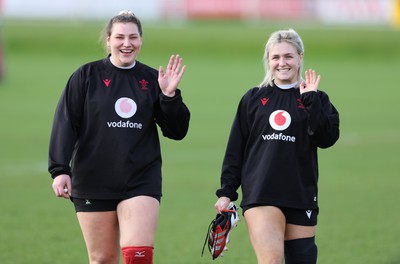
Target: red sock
{"x": 138, "y": 255}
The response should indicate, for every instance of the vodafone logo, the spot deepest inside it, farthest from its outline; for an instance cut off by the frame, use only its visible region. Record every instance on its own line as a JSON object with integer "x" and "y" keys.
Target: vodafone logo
{"x": 280, "y": 120}
{"x": 125, "y": 107}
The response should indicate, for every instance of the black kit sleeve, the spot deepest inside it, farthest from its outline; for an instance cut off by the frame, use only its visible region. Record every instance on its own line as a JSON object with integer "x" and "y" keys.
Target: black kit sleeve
{"x": 233, "y": 160}
{"x": 172, "y": 116}
{"x": 67, "y": 119}
{"x": 323, "y": 118}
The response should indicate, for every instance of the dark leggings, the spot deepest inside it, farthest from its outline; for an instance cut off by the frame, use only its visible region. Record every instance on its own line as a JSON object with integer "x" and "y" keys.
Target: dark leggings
{"x": 301, "y": 251}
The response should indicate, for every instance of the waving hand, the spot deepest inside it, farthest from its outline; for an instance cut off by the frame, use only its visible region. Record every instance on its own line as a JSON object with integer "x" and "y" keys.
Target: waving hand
{"x": 311, "y": 82}
{"x": 170, "y": 79}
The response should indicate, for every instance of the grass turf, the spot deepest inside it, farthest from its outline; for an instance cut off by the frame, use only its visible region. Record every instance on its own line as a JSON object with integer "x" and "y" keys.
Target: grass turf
{"x": 359, "y": 182}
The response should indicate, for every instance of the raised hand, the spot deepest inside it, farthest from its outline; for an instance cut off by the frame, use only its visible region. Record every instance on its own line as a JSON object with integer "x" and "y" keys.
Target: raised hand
{"x": 170, "y": 79}
{"x": 311, "y": 82}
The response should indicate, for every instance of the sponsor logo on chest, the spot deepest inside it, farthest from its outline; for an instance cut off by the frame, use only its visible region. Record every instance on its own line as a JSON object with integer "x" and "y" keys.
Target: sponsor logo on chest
{"x": 279, "y": 120}
{"x": 125, "y": 108}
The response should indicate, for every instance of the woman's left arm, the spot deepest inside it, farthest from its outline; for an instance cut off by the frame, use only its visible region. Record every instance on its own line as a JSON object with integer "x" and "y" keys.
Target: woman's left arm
{"x": 172, "y": 115}
{"x": 323, "y": 118}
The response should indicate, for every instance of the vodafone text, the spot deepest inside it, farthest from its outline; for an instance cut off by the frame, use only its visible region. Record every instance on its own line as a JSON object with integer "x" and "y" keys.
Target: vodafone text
{"x": 279, "y": 136}
{"x": 125, "y": 124}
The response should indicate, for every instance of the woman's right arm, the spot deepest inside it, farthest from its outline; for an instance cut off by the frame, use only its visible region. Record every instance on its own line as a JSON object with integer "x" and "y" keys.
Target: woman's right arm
{"x": 233, "y": 160}
{"x": 66, "y": 123}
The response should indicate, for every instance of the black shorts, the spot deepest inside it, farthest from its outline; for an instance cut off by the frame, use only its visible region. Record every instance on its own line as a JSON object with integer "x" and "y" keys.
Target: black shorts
{"x": 93, "y": 205}
{"x": 295, "y": 216}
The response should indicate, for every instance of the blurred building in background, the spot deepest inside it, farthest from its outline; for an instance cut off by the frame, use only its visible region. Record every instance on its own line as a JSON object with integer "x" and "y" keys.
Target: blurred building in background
{"x": 359, "y": 12}
{"x": 1, "y": 42}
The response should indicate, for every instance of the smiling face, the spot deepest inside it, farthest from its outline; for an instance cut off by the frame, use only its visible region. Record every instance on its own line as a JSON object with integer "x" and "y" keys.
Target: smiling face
{"x": 284, "y": 63}
{"x": 124, "y": 43}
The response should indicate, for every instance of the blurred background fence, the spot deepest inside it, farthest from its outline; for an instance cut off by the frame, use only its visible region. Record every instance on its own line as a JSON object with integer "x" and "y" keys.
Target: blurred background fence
{"x": 360, "y": 12}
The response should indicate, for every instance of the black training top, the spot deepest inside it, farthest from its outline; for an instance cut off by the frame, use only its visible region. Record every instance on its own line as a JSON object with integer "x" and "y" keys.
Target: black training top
{"x": 272, "y": 148}
{"x": 104, "y": 133}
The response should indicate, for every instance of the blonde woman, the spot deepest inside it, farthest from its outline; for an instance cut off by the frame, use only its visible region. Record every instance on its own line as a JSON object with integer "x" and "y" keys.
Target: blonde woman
{"x": 272, "y": 155}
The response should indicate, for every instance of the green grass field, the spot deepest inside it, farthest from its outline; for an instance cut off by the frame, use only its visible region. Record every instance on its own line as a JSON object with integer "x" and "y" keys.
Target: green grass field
{"x": 359, "y": 182}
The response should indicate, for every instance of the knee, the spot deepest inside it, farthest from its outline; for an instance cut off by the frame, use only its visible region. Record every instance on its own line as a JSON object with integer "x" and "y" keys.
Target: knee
{"x": 271, "y": 257}
{"x": 102, "y": 258}
{"x": 301, "y": 251}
